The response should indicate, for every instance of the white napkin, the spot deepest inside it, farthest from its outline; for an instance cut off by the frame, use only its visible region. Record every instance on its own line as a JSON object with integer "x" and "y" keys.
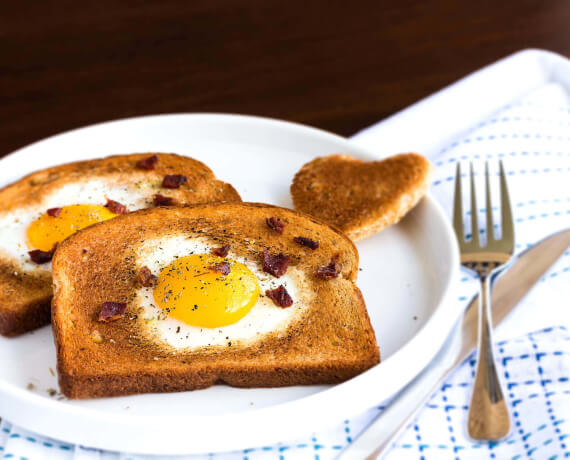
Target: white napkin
{"x": 532, "y": 136}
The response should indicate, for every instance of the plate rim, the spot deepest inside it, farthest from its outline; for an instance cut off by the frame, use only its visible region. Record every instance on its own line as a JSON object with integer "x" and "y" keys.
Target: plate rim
{"x": 444, "y": 314}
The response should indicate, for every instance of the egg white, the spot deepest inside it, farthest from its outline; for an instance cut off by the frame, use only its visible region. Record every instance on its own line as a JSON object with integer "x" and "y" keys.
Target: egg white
{"x": 264, "y": 317}
{"x": 14, "y": 223}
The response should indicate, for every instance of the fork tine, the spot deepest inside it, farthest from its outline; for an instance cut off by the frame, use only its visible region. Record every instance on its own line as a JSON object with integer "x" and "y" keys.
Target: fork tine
{"x": 474, "y": 211}
{"x": 458, "y": 207}
{"x": 506, "y": 213}
{"x": 488, "y": 206}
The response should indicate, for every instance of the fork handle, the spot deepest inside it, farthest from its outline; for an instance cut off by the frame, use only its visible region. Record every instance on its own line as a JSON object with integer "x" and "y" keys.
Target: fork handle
{"x": 488, "y": 413}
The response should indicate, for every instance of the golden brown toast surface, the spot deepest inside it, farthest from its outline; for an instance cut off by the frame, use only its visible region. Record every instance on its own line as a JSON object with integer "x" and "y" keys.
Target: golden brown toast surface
{"x": 361, "y": 198}
{"x": 25, "y": 291}
{"x": 330, "y": 340}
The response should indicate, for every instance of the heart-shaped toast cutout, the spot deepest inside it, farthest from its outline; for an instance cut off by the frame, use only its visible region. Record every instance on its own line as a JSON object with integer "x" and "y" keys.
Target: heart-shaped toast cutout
{"x": 361, "y": 198}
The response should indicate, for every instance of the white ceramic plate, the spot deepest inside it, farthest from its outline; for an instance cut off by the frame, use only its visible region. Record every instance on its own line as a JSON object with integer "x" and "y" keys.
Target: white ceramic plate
{"x": 406, "y": 278}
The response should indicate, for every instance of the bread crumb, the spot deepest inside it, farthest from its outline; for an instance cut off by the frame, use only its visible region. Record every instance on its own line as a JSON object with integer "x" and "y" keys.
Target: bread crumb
{"x": 96, "y": 337}
{"x": 51, "y": 372}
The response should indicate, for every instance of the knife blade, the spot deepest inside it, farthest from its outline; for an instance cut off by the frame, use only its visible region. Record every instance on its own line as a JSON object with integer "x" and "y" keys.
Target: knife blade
{"x": 514, "y": 283}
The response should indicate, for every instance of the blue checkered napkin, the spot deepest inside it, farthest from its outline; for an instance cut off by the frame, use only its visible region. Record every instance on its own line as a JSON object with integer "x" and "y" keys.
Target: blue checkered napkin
{"x": 532, "y": 136}
{"x": 536, "y": 370}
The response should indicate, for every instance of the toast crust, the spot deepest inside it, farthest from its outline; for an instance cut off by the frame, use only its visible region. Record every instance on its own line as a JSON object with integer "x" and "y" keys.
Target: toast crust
{"x": 25, "y": 296}
{"x": 361, "y": 198}
{"x": 331, "y": 342}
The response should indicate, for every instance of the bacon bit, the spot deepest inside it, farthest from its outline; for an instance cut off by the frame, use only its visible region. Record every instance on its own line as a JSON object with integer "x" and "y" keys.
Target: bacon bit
{"x": 41, "y": 257}
{"x": 161, "y": 200}
{"x": 222, "y": 267}
{"x": 115, "y": 207}
{"x": 312, "y": 244}
{"x": 146, "y": 278}
{"x": 112, "y": 311}
{"x": 221, "y": 252}
{"x": 173, "y": 180}
{"x": 54, "y": 212}
{"x": 332, "y": 270}
{"x": 280, "y": 297}
{"x": 148, "y": 163}
{"x": 274, "y": 223}
{"x": 275, "y": 265}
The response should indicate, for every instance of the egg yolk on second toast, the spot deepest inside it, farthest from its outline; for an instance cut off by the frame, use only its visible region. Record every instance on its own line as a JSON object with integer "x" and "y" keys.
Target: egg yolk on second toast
{"x": 193, "y": 289}
{"x": 44, "y": 232}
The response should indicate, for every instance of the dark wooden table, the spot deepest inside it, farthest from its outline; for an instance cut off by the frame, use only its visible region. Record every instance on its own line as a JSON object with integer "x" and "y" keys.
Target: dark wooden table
{"x": 67, "y": 64}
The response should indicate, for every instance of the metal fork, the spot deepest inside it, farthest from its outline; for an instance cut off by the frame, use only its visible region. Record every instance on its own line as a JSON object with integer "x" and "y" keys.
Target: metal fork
{"x": 488, "y": 414}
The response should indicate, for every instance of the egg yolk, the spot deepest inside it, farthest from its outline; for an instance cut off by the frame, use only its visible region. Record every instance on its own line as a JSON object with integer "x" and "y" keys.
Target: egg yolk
{"x": 191, "y": 290}
{"x": 46, "y": 231}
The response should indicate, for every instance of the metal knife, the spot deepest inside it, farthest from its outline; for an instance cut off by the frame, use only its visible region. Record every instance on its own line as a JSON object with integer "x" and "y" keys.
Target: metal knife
{"x": 508, "y": 290}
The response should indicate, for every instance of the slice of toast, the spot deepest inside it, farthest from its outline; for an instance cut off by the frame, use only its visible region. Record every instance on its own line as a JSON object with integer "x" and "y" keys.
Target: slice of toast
{"x": 325, "y": 336}
{"x": 134, "y": 180}
{"x": 361, "y": 198}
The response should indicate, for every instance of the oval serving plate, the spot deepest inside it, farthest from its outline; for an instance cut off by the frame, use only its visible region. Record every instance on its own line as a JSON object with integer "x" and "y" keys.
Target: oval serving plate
{"x": 406, "y": 279}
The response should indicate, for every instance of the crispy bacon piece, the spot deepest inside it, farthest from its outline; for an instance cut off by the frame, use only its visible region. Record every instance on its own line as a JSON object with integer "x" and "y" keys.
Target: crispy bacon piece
{"x": 312, "y": 244}
{"x": 173, "y": 180}
{"x": 115, "y": 207}
{"x": 41, "y": 257}
{"x": 146, "y": 278}
{"x": 54, "y": 212}
{"x": 148, "y": 163}
{"x": 221, "y": 252}
{"x": 280, "y": 297}
{"x": 222, "y": 267}
{"x": 111, "y": 311}
{"x": 161, "y": 200}
{"x": 332, "y": 270}
{"x": 275, "y": 265}
{"x": 274, "y": 223}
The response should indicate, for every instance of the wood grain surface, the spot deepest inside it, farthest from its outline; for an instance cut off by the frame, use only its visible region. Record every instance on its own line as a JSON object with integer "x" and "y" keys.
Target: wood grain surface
{"x": 333, "y": 64}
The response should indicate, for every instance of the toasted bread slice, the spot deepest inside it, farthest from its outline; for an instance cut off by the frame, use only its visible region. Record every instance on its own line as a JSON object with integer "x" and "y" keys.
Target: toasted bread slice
{"x": 325, "y": 336}
{"x": 361, "y": 198}
{"x": 25, "y": 287}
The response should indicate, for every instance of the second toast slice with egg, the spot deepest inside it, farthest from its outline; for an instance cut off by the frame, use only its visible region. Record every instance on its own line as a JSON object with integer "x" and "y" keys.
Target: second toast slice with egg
{"x": 176, "y": 299}
{"x": 41, "y": 209}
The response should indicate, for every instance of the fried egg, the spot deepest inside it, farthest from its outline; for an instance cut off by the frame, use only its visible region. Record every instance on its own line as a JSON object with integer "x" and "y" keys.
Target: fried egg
{"x": 49, "y": 229}
{"x": 24, "y": 229}
{"x": 193, "y": 305}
